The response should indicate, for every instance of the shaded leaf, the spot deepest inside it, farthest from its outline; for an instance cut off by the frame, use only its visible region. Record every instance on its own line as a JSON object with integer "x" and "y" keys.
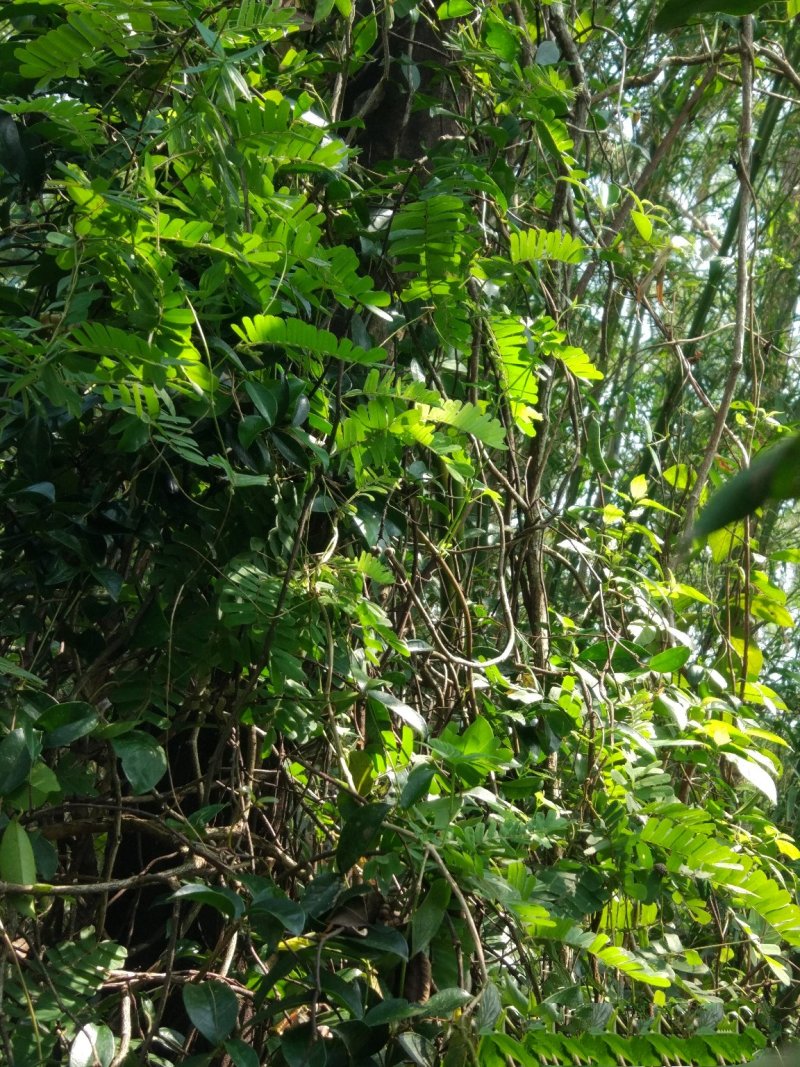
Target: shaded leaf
{"x": 676, "y": 13}
{"x": 428, "y": 916}
{"x": 222, "y": 899}
{"x": 144, "y": 761}
{"x": 417, "y": 784}
{"x": 16, "y": 760}
{"x": 359, "y": 833}
{"x": 212, "y": 1008}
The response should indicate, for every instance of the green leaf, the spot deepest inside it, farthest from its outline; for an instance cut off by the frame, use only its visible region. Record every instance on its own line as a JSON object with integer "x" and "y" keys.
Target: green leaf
{"x": 676, "y": 13}
{"x": 578, "y": 363}
{"x": 144, "y": 761}
{"x": 446, "y": 1001}
{"x": 359, "y": 833}
{"x": 17, "y": 862}
{"x": 294, "y": 333}
{"x": 93, "y": 1046}
{"x": 18, "y": 865}
{"x": 643, "y": 224}
{"x": 222, "y": 899}
{"x": 670, "y": 660}
{"x": 773, "y": 474}
{"x": 16, "y": 760}
{"x": 212, "y": 1008}
{"x": 417, "y": 784}
{"x": 64, "y": 723}
{"x": 365, "y": 33}
{"x": 528, "y": 246}
{"x": 638, "y": 487}
{"x": 453, "y": 9}
{"x": 242, "y": 1054}
{"x": 755, "y": 774}
{"x": 40, "y": 784}
{"x": 401, "y": 710}
{"x": 674, "y": 705}
{"x": 679, "y": 476}
{"x": 469, "y": 419}
{"x": 372, "y": 568}
{"x": 429, "y": 915}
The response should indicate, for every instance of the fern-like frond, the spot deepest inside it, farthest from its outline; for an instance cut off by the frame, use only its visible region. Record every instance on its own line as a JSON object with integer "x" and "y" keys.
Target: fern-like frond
{"x": 529, "y": 246}
{"x": 469, "y": 419}
{"x": 294, "y": 333}
{"x": 688, "y": 843}
{"x": 73, "y": 47}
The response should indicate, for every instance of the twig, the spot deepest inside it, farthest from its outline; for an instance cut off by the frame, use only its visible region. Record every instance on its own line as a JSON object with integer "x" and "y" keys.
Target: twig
{"x": 42, "y": 889}
{"x": 742, "y": 273}
{"x": 651, "y": 167}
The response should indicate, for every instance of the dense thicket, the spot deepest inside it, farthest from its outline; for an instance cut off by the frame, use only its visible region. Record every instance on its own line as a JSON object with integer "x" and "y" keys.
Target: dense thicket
{"x": 363, "y": 370}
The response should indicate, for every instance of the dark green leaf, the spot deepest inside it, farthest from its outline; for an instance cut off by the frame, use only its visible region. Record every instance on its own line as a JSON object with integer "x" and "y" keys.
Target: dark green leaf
{"x": 16, "y": 761}
{"x": 428, "y": 916}
{"x": 391, "y": 1010}
{"x": 401, "y": 710}
{"x": 212, "y": 1008}
{"x": 773, "y": 474}
{"x": 64, "y": 723}
{"x": 242, "y": 1054}
{"x": 676, "y": 13}
{"x": 144, "y": 761}
{"x": 417, "y": 784}
{"x": 380, "y": 940}
{"x": 322, "y": 893}
{"x": 359, "y": 833}
{"x": 222, "y": 899}
{"x": 45, "y": 489}
{"x": 290, "y": 915}
{"x": 12, "y": 155}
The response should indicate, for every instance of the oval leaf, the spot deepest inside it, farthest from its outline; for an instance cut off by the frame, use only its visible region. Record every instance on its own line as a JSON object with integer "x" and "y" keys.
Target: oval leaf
{"x": 225, "y": 901}
{"x": 93, "y": 1047}
{"x": 428, "y": 917}
{"x": 358, "y": 834}
{"x": 242, "y": 1054}
{"x": 64, "y": 723}
{"x": 144, "y": 762}
{"x": 402, "y": 711}
{"x": 671, "y": 659}
{"x": 17, "y": 863}
{"x": 417, "y": 784}
{"x": 212, "y": 1008}
{"x": 15, "y": 761}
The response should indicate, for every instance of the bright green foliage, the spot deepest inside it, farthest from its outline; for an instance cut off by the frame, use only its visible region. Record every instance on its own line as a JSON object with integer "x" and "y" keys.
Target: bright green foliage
{"x": 358, "y": 708}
